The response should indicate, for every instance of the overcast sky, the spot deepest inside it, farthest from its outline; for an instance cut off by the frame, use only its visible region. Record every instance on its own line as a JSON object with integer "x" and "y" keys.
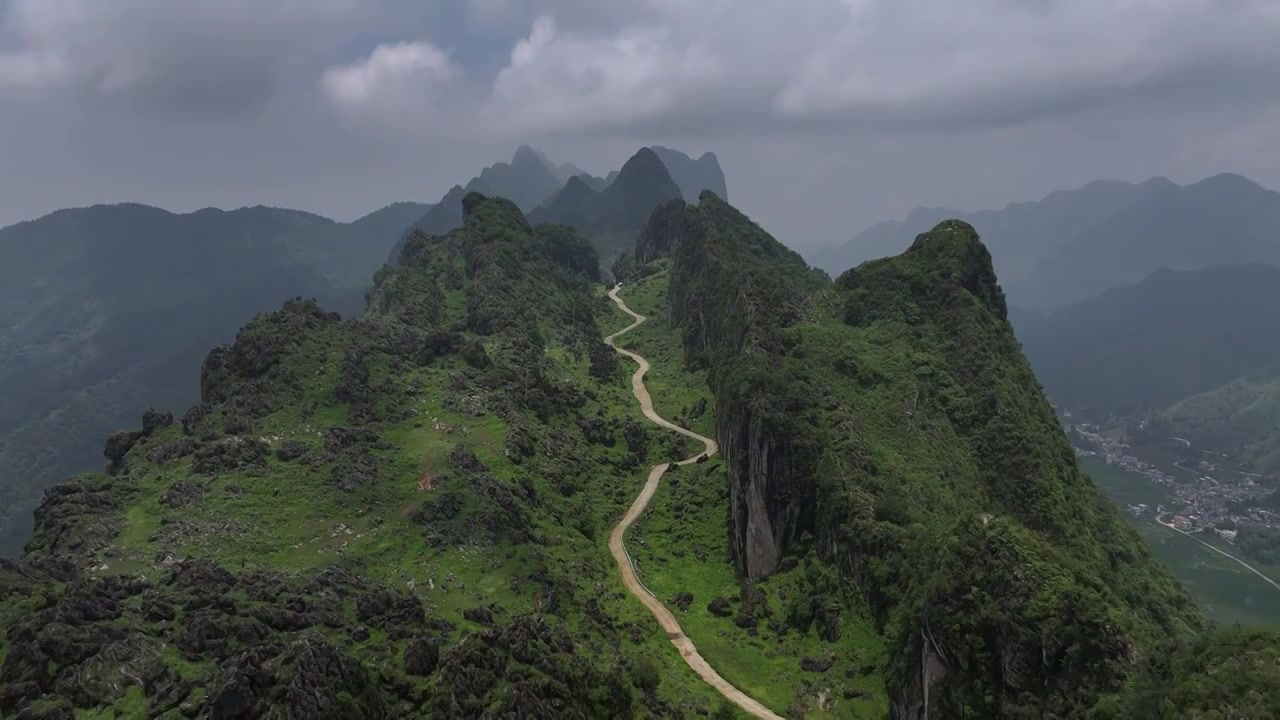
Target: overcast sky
{"x": 827, "y": 115}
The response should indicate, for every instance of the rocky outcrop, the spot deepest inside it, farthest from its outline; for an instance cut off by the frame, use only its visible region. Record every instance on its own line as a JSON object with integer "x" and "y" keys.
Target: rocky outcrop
{"x": 666, "y": 230}
{"x": 771, "y": 498}
{"x": 119, "y": 444}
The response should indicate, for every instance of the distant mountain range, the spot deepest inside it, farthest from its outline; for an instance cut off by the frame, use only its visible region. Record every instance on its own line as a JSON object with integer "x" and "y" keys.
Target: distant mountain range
{"x": 1074, "y": 244}
{"x": 1199, "y": 349}
{"x": 563, "y": 193}
{"x": 111, "y": 308}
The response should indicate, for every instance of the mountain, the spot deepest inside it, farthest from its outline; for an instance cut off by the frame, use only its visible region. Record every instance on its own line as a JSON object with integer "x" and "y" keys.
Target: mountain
{"x": 441, "y": 218}
{"x": 413, "y": 513}
{"x": 385, "y": 226}
{"x": 1224, "y": 220}
{"x": 398, "y": 515}
{"x": 694, "y": 176}
{"x": 612, "y": 218}
{"x": 108, "y": 309}
{"x": 548, "y": 192}
{"x": 1240, "y": 419}
{"x": 888, "y": 431}
{"x": 1074, "y": 244}
{"x": 528, "y": 180}
{"x": 1139, "y": 349}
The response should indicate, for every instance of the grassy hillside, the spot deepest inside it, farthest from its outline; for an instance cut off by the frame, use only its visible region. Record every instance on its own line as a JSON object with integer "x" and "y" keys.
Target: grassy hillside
{"x": 759, "y": 636}
{"x": 1240, "y": 419}
{"x": 407, "y": 514}
{"x": 401, "y": 513}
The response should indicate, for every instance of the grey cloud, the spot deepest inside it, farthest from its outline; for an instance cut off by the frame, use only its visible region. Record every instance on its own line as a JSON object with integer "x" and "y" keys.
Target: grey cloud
{"x": 192, "y": 58}
{"x": 144, "y": 101}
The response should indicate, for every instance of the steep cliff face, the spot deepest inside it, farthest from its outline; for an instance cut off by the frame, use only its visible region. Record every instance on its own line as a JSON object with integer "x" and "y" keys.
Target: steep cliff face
{"x": 733, "y": 290}
{"x": 891, "y": 417}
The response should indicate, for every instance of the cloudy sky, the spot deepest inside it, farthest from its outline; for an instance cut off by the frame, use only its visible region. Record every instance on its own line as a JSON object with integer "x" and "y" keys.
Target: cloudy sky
{"x": 827, "y": 115}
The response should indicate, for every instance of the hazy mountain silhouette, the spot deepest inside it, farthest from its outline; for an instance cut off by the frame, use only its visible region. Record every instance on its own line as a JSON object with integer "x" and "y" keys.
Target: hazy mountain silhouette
{"x": 1076, "y": 243}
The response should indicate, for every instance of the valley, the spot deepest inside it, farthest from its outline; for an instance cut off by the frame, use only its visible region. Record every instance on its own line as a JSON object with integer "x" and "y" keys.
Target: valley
{"x": 1228, "y": 592}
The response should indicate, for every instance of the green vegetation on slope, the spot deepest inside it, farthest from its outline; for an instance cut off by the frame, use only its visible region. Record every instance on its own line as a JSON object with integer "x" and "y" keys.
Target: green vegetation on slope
{"x": 892, "y": 419}
{"x": 1233, "y": 673}
{"x": 768, "y": 638}
{"x": 1240, "y": 419}
{"x": 403, "y": 514}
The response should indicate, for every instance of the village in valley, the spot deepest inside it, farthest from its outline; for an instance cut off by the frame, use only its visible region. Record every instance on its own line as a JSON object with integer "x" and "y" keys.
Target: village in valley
{"x": 1203, "y": 495}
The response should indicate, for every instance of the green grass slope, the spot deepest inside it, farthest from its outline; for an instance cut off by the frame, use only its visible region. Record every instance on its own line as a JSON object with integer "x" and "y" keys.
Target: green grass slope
{"x": 1240, "y": 419}
{"x": 401, "y": 515}
{"x": 762, "y": 637}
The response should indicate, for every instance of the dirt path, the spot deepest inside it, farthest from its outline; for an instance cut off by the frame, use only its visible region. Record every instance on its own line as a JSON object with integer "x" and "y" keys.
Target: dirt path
{"x": 619, "y": 551}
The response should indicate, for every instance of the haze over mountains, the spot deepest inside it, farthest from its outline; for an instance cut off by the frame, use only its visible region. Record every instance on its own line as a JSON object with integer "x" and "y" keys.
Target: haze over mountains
{"x": 404, "y": 513}
{"x": 1074, "y": 244}
{"x": 1200, "y": 348}
{"x": 564, "y": 193}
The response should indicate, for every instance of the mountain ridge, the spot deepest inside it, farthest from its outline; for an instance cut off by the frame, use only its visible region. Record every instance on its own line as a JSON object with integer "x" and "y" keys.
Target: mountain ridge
{"x": 1072, "y": 244}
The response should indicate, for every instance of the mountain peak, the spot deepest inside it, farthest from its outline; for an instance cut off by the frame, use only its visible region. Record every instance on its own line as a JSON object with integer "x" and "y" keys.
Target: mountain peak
{"x": 644, "y": 163}
{"x": 470, "y": 202}
{"x": 693, "y": 176}
{"x": 1229, "y": 183}
{"x": 954, "y": 253}
{"x": 527, "y": 155}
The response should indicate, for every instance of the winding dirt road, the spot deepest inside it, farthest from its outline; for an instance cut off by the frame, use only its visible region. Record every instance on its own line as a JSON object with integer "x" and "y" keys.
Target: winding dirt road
{"x": 619, "y": 550}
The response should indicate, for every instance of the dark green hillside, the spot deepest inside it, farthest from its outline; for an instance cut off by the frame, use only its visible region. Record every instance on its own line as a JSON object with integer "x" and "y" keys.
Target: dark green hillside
{"x": 1228, "y": 674}
{"x": 1143, "y": 347}
{"x": 1240, "y": 419}
{"x": 404, "y": 514}
{"x": 889, "y": 427}
{"x": 107, "y": 309}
